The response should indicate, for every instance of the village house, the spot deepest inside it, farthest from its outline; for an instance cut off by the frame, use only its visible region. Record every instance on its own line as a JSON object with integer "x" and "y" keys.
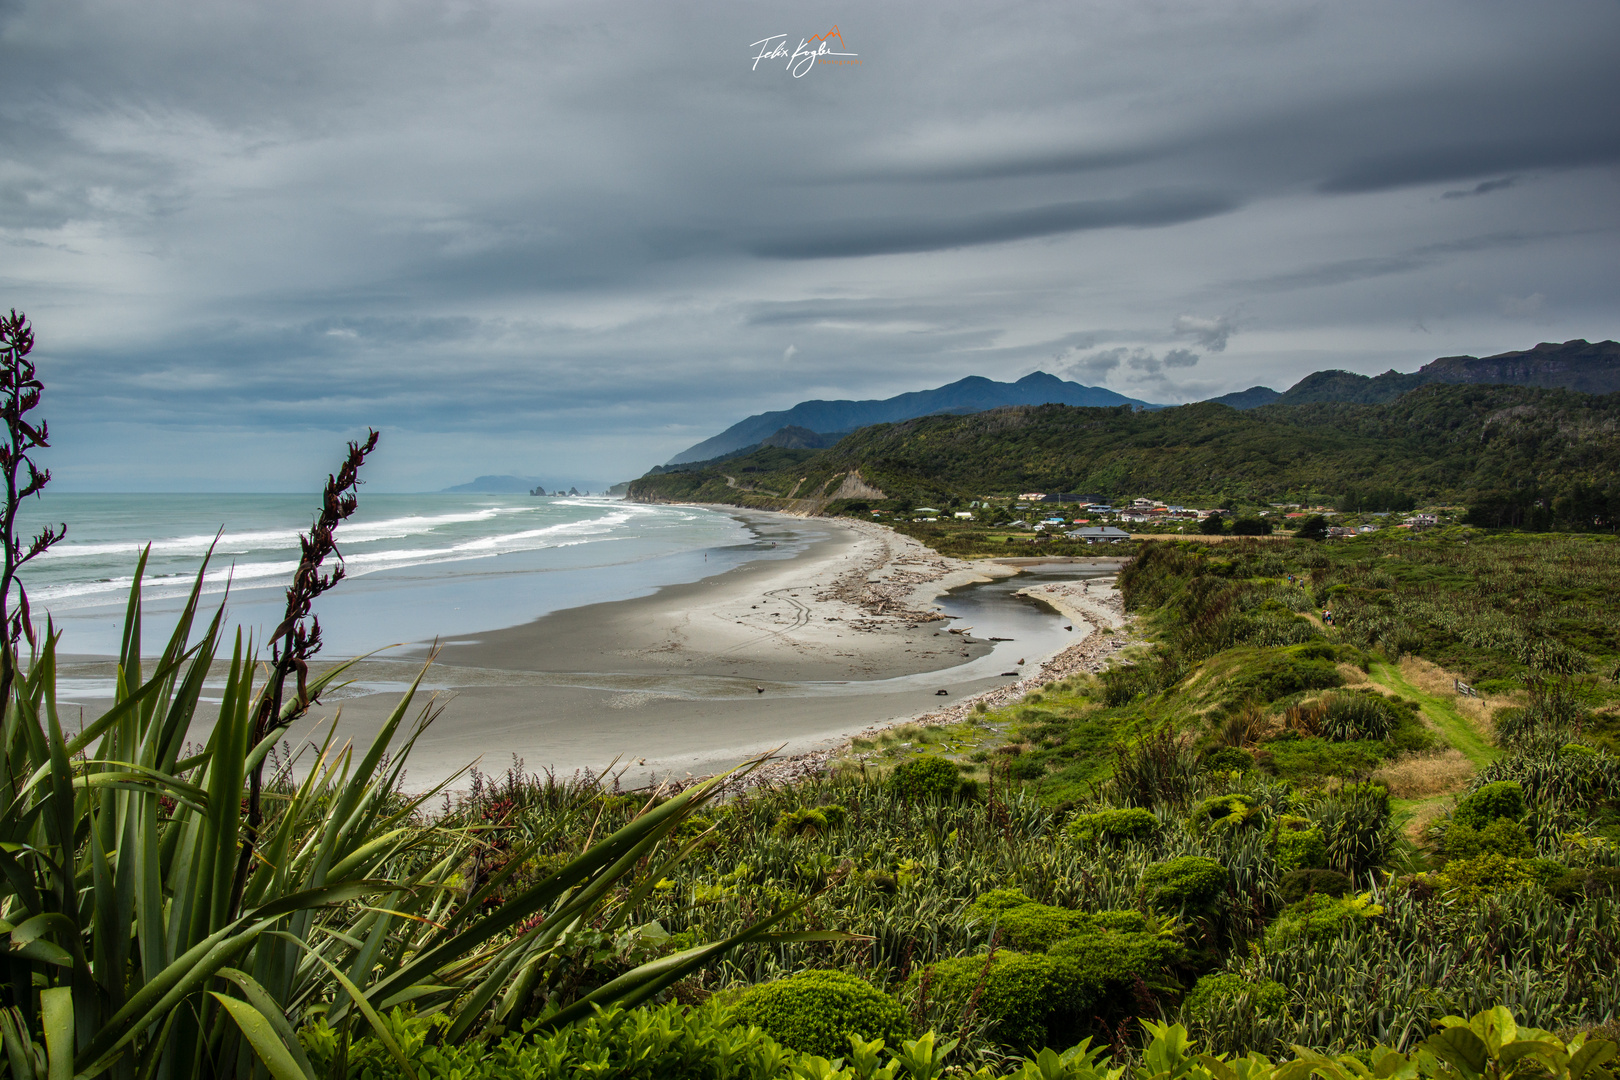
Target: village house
{"x": 1099, "y": 534}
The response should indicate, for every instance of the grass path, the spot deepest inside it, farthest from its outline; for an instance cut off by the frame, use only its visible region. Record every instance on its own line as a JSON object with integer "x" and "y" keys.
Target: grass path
{"x": 1453, "y": 725}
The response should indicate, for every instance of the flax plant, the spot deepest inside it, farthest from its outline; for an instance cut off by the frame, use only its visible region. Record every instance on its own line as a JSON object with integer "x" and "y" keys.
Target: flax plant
{"x": 168, "y": 914}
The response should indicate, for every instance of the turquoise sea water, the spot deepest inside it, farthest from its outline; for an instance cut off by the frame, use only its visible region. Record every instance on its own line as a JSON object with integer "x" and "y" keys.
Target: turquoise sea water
{"x": 419, "y": 566}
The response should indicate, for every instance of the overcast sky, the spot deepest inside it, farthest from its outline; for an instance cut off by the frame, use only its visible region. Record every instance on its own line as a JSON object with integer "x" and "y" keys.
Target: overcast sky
{"x": 570, "y": 240}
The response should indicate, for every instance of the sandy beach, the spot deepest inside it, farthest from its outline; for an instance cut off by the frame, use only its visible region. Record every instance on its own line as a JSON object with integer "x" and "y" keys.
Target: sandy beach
{"x": 834, "y": 628}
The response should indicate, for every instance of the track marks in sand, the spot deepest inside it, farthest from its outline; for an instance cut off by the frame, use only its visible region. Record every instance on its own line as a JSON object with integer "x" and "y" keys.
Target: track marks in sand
{"x": 801, "y": 613}
{"x": 799, "y": 619}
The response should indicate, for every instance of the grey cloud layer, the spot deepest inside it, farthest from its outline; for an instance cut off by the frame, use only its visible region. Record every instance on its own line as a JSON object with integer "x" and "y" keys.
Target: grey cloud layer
{"x": 890, "y": 236}
{"x": 591, "y": 224}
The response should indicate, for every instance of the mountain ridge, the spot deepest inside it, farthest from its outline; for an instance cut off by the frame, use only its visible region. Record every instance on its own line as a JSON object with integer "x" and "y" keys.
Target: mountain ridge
{"x": 1578, "y": 365}
{"x": 965, "y": 396}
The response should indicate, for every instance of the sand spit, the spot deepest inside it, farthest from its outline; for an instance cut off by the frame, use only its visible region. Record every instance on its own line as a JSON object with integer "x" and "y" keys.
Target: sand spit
{"x": 1096, "y": 602}
{"x": 899, "y": 578}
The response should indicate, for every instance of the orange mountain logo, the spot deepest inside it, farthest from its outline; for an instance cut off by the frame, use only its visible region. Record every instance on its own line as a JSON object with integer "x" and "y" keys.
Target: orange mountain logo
{"x": 810, "y": 52}
{"x": 829, "y": 37}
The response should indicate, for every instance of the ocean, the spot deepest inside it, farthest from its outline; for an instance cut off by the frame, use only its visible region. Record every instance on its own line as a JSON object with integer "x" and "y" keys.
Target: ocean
{"x": 419, "y": 567}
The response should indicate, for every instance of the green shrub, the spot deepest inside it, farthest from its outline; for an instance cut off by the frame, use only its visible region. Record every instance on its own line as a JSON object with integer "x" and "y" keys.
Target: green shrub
{"x": 1023, "y": 924}
{"x": 1227, "y": 811}
{"x": 1296, "y": 844}
{"x": 815, "y": 1012}
{"x": 1114, "y": 826}
{"x": 1502, "y": 799}
{"x": 1291, "y": 757}
{"x": 1026, "y": 767}
{"x": 667, "y": 1041}
{"x": 1160, "y": 767}
{"x": 1319, "y": 918}
{"x": 690, "y": 829}
{"x": 1352, "y": 717}
{"x": 1553, "y": 710}
{"x": 1030, "y": 999}
{"x": 1030, "y": 926}
{"x": 1227, "y": 759}
{"x": 814, "y": 820}
{"x": 707, "y": 1042}
{"x": 1277, "y": 674}
{"x": 925, "y": 777}
{"x": 1296, "y": 885}
{"x": 1356, "y": 826}
{"x": 1501, "y": 837}
{"x": 1024, "y": 1000}
{"x": 1191, "y": 882}
{"x": 1468, "y": 880}
{"x": 1264, "y": 997}
{"x": 1124, "y": 684}
{"x": 1573, "y": 886}
{"x": 1119, "y": 948}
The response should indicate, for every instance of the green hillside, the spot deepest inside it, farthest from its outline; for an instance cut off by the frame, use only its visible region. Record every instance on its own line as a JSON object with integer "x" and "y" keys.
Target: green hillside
{"x": 1520, "y": 454}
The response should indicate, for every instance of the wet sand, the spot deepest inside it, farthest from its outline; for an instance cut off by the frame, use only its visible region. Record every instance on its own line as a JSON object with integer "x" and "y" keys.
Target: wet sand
{"x": 795, "y": 652}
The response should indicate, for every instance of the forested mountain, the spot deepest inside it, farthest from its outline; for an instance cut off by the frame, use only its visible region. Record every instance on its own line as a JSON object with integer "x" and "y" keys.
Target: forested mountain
{"x": 1573, "y": 365}
{"x": 1520, "y": 450}
{"x": 970, "y": 395}
{"x": 1252, "y": 398}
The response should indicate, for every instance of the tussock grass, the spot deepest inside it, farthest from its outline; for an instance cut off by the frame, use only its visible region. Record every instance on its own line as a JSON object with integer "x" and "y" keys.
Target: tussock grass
{"x": 1423, "y": 776}
{"x": 1438, "y": 682}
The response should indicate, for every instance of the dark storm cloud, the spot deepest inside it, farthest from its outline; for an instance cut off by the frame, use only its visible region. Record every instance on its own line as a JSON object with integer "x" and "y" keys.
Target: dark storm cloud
{"x": 798, "y": 312}
{"x": 1097, "y": 365}
{"x": 590, "y": 230}
{"x": 890, "y": 236}
{"x": 1484, "y": 187}
{"x": 1045, "y": 164}
{"x": 1460, "y": 161}
{"x": 1212, "y": 334}
{"x": 1401, "y": 262}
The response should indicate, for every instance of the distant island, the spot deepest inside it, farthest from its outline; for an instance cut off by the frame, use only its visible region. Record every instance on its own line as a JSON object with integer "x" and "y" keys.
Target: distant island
{"x": 506, "y": 485}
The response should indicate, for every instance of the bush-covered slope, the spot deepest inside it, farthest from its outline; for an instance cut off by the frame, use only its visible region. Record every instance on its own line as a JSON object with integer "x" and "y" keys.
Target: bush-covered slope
{"x": 1439, "y": 443}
